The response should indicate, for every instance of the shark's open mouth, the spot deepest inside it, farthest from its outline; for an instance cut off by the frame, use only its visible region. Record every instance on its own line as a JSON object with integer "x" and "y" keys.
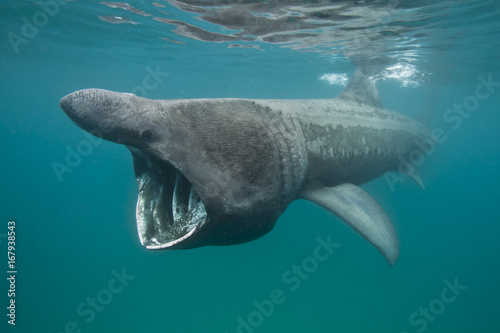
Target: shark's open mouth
{"x": 169, "y": 208}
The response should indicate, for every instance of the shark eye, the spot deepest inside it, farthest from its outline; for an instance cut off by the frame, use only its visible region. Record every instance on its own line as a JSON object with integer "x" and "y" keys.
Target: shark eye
{"x": 146, "y": 135}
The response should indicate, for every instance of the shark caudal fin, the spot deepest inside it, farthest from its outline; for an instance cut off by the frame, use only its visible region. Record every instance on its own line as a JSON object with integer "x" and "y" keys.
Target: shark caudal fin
{"x": 361, "y": 89}
{"x": 358, "y": 209}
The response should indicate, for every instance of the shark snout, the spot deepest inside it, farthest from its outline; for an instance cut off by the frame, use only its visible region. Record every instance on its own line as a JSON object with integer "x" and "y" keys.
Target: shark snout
{"x": 88, "y": 107}
{"x": 66, "y": 103}
{"x": 106, "y": 114}
{"x": 84, "y": 108}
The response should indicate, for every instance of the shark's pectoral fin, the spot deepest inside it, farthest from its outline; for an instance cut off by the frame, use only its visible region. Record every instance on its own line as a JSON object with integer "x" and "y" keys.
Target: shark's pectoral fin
{"x": 361, "y": 212}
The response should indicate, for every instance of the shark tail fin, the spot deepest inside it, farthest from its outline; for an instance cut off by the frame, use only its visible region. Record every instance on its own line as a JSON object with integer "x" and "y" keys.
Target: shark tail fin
{"x": 359, "y": 210}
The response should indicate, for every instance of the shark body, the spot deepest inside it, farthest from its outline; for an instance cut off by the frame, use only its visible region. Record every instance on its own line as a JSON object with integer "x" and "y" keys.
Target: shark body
{"x": 221, "y": 171}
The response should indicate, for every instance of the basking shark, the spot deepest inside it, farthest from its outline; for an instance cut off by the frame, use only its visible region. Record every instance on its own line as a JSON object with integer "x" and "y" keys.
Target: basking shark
{"x": 221, "y": 171}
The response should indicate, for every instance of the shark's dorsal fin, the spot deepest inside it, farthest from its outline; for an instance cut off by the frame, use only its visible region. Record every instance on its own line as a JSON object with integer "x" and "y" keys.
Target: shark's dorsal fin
{"x": 361, "y": 89}
{"x": 358, "y": 209}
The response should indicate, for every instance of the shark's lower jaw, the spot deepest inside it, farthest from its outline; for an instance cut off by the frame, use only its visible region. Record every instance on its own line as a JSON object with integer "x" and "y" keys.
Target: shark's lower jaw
{"x": 169, "y": 209}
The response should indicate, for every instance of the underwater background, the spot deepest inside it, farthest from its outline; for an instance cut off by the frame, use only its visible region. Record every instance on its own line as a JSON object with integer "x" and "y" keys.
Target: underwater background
{"x": 80, "y": 266}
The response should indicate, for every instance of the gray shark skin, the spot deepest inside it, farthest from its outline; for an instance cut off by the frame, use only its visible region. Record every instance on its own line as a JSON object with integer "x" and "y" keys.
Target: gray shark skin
{"x": 221, "y": 171}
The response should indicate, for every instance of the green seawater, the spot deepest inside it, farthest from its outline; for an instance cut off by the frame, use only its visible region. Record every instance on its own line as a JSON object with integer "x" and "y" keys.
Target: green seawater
{"x": 80, "y": 266}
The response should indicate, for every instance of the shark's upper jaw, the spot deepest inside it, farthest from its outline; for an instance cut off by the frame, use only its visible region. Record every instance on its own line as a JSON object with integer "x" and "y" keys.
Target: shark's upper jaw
{"x": 170, "y": 211}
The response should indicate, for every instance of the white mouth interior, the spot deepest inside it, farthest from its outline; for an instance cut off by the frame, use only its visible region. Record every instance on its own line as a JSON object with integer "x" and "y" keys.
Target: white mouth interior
{"x": 169, "y": 208}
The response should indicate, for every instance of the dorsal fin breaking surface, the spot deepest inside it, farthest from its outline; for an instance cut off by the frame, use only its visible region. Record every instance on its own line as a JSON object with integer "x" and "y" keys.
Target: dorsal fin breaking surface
{"x": 361, "y": 89}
